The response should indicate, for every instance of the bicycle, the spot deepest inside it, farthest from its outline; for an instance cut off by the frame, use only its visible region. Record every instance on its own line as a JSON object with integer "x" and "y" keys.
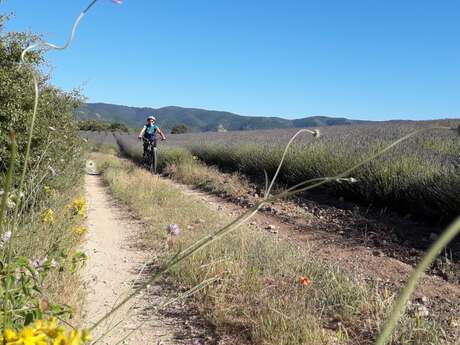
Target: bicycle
{"x": 150, "y": 154}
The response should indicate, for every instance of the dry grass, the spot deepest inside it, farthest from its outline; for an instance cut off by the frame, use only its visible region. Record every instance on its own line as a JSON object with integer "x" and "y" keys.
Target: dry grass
{"x": 257, "y": 292}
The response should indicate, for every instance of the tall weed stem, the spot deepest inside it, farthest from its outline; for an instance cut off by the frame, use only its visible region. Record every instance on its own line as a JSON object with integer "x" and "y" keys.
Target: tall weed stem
{"x": 398, "y": 309}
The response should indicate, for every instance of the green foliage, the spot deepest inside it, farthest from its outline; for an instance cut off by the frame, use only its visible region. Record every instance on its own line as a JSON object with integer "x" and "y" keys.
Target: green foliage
{"x": 56, "y": 134}
{"x": 93, "y": 125}
{"x": 100, "y": 126}
{"x": 118, "y": 127}
{"x": 179, "y": 129}
{"x": 32, "y": 248}
{"x": 21, "y": 288}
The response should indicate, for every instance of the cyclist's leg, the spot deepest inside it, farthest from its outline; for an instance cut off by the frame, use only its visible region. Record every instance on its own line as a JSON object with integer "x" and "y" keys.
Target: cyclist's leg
{"x": 145, "y": 150}
{"x": 154, "y": 153}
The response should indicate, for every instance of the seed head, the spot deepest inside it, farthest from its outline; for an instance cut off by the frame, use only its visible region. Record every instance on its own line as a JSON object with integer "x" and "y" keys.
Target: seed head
{"x": 174, "y": 229}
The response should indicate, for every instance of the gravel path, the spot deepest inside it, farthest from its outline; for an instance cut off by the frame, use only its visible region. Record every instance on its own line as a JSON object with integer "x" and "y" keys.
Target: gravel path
{"x": 114, "y": 266}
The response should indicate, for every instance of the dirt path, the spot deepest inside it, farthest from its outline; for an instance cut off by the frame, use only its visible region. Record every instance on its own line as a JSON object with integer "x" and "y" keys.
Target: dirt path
{"x": 114, "y": 266}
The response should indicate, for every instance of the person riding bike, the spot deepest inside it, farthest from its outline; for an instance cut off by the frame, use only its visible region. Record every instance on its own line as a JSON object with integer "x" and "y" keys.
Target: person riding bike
{"x": 149, "y": 131}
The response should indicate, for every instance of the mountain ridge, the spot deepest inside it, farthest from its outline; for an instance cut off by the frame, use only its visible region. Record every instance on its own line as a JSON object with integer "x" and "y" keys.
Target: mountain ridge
{"x": 200, "y": 120}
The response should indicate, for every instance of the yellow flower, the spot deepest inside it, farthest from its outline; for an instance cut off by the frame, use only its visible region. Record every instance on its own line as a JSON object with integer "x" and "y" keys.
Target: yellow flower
{"x": 10, "y": 335}
{"x": 48, "y": 216}
{"x": 77, "y": 207}
{"x": 29, "y": 336}
{"x": 47, "y": 189}
{"x": 45, "y": 332}
{"x": 80, "y": 230}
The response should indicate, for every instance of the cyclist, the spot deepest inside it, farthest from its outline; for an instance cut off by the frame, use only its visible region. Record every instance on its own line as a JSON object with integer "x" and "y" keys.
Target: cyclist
{"x": 149, "y": 132}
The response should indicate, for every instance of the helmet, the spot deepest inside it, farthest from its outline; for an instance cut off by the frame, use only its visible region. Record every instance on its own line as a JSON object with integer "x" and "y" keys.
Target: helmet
{"x": 151, "y": 118}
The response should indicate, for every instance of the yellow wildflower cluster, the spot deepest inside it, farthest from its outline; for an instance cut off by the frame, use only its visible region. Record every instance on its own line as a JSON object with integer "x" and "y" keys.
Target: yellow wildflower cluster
{"x": 47, "y": 189}
{"x": 78, "y": 206}
{"x": 80, "y": 230}
{"x": 48, "y": 216}
{"x": 44, "y": 332}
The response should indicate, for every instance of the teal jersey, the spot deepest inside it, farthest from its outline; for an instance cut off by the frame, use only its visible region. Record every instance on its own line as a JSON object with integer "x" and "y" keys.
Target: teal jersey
{"x": 150, "y": 131}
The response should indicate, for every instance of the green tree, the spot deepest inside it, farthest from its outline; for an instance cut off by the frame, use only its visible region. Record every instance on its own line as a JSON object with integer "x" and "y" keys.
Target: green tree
{"x": 55, "y": 138}
{"x": 118, "y": 127}
{"x": 93, "y": 125}
{"x": 179, "y": 129}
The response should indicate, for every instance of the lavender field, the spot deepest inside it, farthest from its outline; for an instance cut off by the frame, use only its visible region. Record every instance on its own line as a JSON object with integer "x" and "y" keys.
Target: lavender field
{"x": 420, "y": 177}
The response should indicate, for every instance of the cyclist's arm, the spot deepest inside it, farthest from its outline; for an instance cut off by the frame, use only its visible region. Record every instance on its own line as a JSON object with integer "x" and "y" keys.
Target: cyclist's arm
{"x": 161, "y": 134}
{"x": 141, "y": 134}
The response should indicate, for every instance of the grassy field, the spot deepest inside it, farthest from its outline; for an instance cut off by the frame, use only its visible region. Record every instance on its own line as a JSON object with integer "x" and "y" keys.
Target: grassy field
{"x": 257, "y": 290}
{"x": 420, "y": 177}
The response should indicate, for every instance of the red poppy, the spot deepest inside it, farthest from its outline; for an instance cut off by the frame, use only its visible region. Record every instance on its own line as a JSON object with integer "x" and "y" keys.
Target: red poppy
{"x": 304, "y": 280}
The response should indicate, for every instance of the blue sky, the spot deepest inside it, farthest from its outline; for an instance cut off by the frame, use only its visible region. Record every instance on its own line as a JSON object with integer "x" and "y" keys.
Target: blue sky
{"x": 363, "y": 59}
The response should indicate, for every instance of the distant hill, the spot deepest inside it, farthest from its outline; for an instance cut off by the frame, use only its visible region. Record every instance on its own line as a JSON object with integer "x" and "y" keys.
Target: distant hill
{"x": 199, "y": 120}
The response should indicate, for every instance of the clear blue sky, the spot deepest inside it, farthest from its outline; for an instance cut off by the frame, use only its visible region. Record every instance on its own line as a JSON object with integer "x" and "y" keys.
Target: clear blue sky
{"x": 363, "y": 59}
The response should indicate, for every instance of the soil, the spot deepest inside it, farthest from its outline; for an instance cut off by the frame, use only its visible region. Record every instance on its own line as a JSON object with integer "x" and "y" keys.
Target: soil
{"x": 354, "y": 243}
{"x": 365, "y": 244}
{"x": 115, "y": 266}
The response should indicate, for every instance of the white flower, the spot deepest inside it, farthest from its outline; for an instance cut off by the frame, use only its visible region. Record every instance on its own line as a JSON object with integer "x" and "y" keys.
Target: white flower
{"x": 174, "y": 229}
{"x": 6, "y": 236}
{"x": 53, "y": 172}
{"x": 54, "y": 263}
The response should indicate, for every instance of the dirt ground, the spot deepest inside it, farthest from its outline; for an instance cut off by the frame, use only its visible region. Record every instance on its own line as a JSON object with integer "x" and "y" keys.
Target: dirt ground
{"x": 336, "y": 244}
{"x": 115, "y": 266}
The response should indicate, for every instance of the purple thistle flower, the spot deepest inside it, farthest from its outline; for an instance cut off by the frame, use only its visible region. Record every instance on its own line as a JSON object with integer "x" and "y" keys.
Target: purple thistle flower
{"x": 36, "y": 263}
{"x": 174, "y": 229}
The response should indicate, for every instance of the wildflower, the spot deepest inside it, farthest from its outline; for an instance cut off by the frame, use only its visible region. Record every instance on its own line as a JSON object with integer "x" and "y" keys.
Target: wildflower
{"x": 195, "y": 158}
{"x": 80, "y": 230}
{"x": 48, "y": 216}
{"x": 47, "y": 189}
{"x": 304, "y": 280}
{"x": 6, "y": 236}
{"x": 10, "y": 204}
{"x": 77, "y": 206}
{"x": 174, "y": 229}
{"x": 44, "y": 332}
{"x": 38, "y": 262}
{"x": 53, "y": 172}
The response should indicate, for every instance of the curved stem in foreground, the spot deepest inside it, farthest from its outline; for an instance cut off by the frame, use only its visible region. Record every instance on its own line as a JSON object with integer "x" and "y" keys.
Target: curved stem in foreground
{"x": 448, "y": 235}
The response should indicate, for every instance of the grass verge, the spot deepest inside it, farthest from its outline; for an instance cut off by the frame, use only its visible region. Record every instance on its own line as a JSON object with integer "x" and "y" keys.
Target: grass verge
{"x": 267, "y": 289}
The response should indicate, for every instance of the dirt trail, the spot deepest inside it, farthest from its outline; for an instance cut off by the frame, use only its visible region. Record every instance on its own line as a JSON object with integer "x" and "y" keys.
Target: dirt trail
{"x": 114, "y": 266}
